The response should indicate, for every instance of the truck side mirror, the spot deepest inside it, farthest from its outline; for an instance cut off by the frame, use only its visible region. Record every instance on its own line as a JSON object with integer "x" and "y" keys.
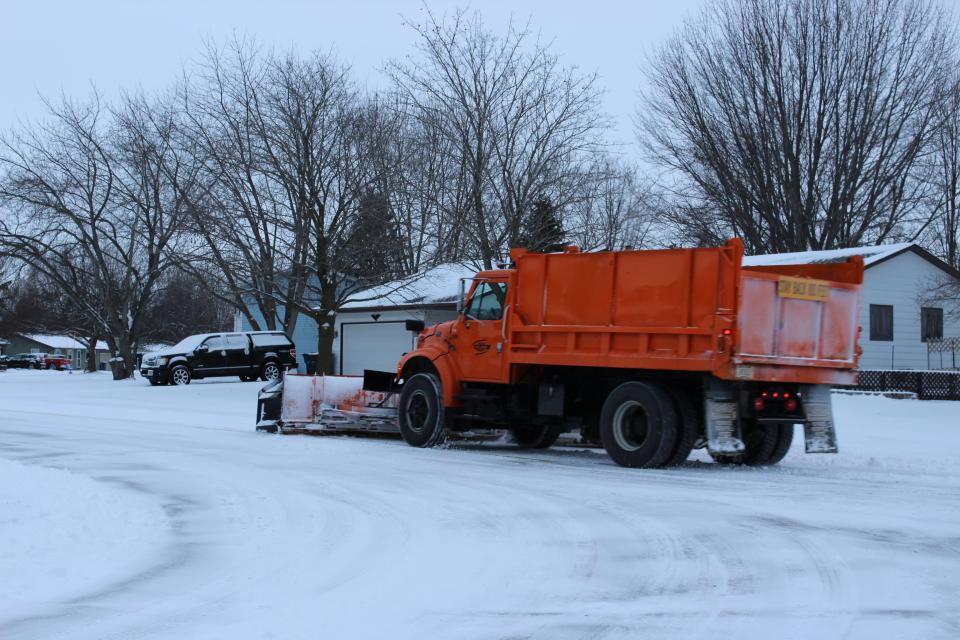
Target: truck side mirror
{"x": 202, "y": 349}
{"x": 415, "y": 325}
{"x": 462, "y": 295}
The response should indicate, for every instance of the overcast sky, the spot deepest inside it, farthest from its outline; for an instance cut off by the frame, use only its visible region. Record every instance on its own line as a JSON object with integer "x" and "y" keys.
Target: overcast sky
{"x": 53, "y": 46}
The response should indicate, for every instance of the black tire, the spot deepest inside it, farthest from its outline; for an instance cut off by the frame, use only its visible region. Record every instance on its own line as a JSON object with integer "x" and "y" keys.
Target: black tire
{"x": 688, "y": 426}
{"x": 783, "y": 443}
{"x": 765, "y": 444}
{"x": 179, "y": 375}
{"x": 535, "y": 436}
{"x": 270, "y": 371}
{"x": 421, "y": 411}
{"x": 50, "y": 367}
{"x": 638, "y": 425}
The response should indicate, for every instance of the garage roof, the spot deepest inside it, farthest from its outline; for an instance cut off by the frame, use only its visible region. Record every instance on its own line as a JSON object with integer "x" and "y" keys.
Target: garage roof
{"x": 61, "y": 342}
{"x": 438, "y": 285}
{"x": 870, "y": 255}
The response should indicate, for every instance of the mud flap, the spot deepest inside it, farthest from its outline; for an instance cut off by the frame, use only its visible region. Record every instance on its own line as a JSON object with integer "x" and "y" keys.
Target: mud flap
{"x": 818, "y": 432}
{"x": 722, "y": 421}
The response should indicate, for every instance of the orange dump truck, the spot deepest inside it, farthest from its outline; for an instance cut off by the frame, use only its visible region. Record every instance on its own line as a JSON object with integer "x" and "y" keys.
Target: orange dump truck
{"x": 650, "y": 353}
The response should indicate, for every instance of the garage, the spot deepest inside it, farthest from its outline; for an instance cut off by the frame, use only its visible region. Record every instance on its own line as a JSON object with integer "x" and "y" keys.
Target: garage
{"x": 371, "y": 329}
{"x": 373, "y": 345}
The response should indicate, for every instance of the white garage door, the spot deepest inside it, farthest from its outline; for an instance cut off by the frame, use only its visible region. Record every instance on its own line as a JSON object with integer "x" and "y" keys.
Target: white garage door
{"x": 375, "y": 345}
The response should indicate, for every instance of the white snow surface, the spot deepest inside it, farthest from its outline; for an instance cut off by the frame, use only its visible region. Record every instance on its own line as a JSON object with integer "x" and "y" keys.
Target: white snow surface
{"x": 129, "y": 511}
{"x": 870, "y": 255}
{"x": 439, "y": 284}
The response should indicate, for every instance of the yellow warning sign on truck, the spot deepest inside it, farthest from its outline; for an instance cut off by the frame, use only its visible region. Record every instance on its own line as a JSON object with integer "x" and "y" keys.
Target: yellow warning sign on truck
{"x": 803, "y": 288}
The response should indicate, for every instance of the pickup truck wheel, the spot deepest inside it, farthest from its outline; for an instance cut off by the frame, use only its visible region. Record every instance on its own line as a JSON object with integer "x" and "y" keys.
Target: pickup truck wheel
{"x": 638, "y": 425}
{"x": 51, "y": 367}
{"x": 688, "y": 426}
{"x": 270, "y": 372}
{"x": 180, "y": 375}
{"x": 762, "y": 442}
{"x": 421, "y": 411}
{"x": 535, "y": 437}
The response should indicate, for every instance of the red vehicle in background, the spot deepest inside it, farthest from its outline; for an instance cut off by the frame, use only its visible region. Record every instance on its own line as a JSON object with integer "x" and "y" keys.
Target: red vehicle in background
{"x": 56, "y": 361}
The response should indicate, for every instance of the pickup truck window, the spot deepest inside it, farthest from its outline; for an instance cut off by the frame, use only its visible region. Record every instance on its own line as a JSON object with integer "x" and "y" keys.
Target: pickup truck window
{"x": 270, "y": 340}
{"x": 216, "y": 343}
{"x": 237, "y": 341}
{"x": 487, "y": 301}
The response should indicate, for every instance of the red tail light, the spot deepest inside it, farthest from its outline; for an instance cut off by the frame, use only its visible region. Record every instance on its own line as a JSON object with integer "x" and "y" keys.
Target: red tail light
{"x": 790, "y": 405}
{"x": 293, "y": 352}
{"x": 758, "y": 404}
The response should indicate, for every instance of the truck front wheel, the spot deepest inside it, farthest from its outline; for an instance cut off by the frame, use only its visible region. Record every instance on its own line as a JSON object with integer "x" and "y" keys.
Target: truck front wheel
{"x": 421, "y": 411}
{"x": 638, "y": 425}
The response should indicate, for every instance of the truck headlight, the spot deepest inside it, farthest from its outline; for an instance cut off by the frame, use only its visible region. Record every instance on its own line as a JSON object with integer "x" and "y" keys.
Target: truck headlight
{"x": 163, "y": 361}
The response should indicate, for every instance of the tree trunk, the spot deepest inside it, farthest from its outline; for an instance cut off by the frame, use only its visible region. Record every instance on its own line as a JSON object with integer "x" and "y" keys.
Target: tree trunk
{"x": 325, "y": 331}
{"x": 92, "y": 354}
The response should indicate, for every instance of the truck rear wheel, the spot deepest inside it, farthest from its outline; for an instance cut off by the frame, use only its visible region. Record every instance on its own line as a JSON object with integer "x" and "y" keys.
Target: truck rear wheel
{"x": 535, "y": 436}
{"x": 688, "y": 426}
{"x": 421, "y": 411}
{"x": 638, "y": 425}
{"x": 783, "y": 443}
{"x": 765, "y": 444}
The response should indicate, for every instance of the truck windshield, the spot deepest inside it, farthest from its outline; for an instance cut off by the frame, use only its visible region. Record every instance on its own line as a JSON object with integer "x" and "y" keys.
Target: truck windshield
{"x": 487, "y": 301}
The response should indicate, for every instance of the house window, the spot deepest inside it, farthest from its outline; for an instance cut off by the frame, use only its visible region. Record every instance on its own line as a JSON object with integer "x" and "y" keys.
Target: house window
{"x": 881, "y": 322}
{"x": 931, "y": 323}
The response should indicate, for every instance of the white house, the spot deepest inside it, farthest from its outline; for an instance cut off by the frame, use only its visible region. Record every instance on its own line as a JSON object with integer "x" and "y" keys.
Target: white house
{"x": 897, "y": 315}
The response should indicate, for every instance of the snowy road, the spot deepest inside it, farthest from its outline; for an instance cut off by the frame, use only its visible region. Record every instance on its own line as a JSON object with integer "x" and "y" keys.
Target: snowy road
{"x": 135, "y": 512}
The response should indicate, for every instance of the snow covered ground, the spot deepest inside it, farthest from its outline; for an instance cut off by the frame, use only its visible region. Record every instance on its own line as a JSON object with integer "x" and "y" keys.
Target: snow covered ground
{"x": 128, "y": 511}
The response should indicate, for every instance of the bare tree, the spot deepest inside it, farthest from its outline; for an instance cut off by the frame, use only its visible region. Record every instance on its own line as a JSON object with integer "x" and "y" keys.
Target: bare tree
{"x": 798, "y": 124}
{"x": 293, "y": 158}
{"x": 944, "y": 166}
{"x": 514, "y": 123}
{"x": 617, "y": 213}
{"x": 88, "y": 204}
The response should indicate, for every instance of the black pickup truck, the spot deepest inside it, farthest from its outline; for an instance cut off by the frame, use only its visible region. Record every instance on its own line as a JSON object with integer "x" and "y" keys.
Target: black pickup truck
{"x": 251, "y": 355}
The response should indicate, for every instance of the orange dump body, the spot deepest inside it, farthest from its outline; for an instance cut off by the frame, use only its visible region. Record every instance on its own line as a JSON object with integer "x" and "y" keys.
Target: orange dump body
{"x": 686, "y": 309}
{"x": 696, "y": 310}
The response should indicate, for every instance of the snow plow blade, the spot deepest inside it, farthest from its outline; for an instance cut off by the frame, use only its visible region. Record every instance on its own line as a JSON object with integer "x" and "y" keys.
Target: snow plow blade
{"x": 317, "y": 404}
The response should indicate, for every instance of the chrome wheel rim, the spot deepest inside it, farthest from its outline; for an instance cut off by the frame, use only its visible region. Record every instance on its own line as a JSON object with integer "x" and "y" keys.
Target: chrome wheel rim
{"x": 180, "y": 376}
{"x": 271, "y": 372}
{"x": 630, "y": 428}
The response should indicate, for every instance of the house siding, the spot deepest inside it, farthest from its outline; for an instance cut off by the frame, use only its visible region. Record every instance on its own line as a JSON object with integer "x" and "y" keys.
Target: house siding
{"x": 901, "y": 282}
{"x": 22, "y": 344}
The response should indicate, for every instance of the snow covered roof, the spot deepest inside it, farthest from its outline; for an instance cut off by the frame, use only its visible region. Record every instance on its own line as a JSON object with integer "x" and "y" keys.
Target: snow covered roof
{"x": 870, "y": 255}
{"x": 437, "y": 285}
{"x": 61, "y": 342}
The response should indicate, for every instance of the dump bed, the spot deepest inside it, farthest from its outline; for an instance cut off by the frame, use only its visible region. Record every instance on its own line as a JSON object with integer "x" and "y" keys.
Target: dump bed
{"x": 688, "y": 310}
